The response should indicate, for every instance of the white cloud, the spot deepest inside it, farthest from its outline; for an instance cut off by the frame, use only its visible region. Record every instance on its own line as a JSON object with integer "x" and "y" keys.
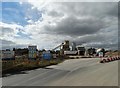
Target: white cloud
{"x": 46, "y": 32}
{"x": 73, "y": 0}
{"x": 60, "y": 21}
{"x": 8, "y": 31}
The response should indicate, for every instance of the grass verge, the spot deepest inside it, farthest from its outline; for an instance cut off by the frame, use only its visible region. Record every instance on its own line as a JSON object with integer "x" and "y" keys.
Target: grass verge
{"x": 17, "y": 66}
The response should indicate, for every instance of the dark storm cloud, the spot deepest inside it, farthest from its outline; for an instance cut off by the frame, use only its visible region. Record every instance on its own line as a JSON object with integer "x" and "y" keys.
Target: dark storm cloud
{"x": 84, "y": 20}
{"x": 113, "y": 46}
{"x": 78, "y": 27}
{"x": 100, "y": 9}
{"x": 93, "y": 18}
{"x": 90, "y": 38}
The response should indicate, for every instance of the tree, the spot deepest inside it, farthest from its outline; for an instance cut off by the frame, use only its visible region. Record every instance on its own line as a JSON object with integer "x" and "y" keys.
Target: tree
{"x": 13, "y": 49}
{"x": 43, "y": 50}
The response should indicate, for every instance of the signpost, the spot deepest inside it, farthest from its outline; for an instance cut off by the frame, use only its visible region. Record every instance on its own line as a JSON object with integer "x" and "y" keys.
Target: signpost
{"x": 47, "y": 55}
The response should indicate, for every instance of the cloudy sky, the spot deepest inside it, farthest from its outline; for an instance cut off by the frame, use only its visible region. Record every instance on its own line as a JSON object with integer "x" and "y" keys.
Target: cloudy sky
{"x": 47, "y": 24}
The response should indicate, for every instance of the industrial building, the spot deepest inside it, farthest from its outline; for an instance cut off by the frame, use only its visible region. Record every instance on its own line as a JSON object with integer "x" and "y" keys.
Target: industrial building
{"x": 75, "y": 50}
{"x": 32, "y": 52}
{"x": 81, "y": 50}
{"x": 72, "y": 49}
{"x": 7, "y": 54}
{"x": 65, "y": 49}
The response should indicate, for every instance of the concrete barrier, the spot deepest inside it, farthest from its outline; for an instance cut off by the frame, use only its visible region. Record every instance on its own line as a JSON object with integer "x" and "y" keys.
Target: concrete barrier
{"x": 110, "y": 59}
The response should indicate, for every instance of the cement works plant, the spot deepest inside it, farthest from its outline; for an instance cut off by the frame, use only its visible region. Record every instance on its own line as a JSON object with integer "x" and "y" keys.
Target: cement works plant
{"x": 51, "y": 43}
{"x": 60, "y": 66}
{"x": 62, "y": 50}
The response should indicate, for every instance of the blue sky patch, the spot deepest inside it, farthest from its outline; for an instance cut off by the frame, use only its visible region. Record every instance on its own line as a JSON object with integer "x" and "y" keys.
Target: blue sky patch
{"x": 14, "y": 12}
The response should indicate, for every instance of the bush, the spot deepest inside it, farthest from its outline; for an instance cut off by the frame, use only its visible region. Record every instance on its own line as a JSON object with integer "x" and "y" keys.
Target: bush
{"x": 21, "y": 65}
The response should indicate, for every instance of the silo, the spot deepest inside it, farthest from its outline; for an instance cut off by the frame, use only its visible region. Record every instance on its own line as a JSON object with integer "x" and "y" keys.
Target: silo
{"x": 73, "y": 46}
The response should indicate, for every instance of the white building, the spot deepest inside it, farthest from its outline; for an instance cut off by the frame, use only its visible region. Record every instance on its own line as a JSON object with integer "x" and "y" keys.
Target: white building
{"x": 32, "y": 52}
{"x": 7, "y": 55}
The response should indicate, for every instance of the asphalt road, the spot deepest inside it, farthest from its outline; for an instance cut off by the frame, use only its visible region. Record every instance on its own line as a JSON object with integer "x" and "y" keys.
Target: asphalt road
{"x": 73, "y": 72}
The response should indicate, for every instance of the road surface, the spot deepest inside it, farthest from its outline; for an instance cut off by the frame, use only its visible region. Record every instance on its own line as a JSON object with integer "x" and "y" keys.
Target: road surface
{"x": 73, "y": 72}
